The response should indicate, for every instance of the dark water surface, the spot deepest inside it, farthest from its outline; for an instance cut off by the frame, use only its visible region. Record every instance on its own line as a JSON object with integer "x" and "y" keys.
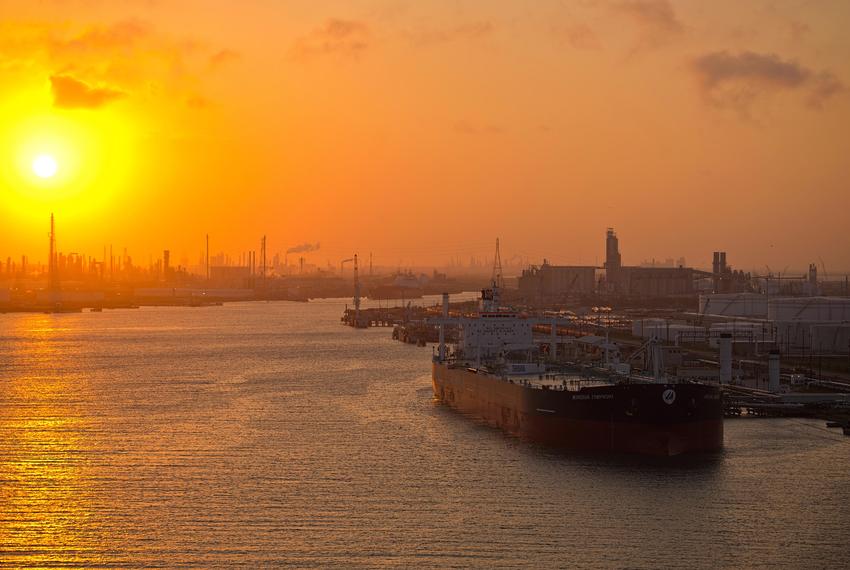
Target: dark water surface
{"x": 268, "y": 434}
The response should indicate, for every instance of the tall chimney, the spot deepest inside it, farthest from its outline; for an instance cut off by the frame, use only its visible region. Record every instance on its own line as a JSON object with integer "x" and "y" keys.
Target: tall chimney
{"x": 207, "y": 257}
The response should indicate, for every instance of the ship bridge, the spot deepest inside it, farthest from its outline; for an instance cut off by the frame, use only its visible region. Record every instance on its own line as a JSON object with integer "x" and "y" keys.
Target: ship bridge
{"x": 493, "y": 332}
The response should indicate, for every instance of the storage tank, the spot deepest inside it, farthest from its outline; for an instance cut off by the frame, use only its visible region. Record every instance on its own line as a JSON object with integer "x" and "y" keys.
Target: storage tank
{"x": 747, "y": 330}
{"x": 794, "y": 334}
{"x": 812, "y": 309}
{"x": 640, "y": 326}
{"x": 831, "y": 338}
{"x": 734, "y": 305}
{"x": 664, "y": 330}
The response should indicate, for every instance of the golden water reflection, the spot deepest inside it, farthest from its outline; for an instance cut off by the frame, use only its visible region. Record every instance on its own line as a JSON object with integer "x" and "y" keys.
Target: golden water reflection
{"x": 49, "y": 512}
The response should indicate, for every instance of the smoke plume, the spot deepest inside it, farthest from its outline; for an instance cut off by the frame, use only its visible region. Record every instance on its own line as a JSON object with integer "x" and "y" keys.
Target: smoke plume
{"x": 304, "y": 248}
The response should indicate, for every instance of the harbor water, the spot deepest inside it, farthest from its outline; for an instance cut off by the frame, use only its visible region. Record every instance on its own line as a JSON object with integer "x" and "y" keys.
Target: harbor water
{"x": 267, "y": 434}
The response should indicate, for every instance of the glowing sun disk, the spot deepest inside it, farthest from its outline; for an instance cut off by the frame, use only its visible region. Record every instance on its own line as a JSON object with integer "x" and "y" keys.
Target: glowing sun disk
{"x": 44, "y": 166}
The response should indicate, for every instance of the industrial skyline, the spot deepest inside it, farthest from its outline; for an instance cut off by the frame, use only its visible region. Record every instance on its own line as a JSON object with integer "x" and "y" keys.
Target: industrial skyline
{"x": 424, "y": 284}
{"x": 112, "y": 261}
{"x": 407, "y": 129}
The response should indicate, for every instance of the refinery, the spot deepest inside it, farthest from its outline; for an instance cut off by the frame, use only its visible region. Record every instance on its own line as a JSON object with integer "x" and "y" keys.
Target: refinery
{"x": 74, "y": 282}
{"x": 774, "y": 345}
{"x": 779, "y": 343}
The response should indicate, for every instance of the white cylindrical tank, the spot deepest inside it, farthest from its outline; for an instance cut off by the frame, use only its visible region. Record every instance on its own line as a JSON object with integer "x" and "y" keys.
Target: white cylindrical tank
{"x": 831, "y": 338}
{"x": 794, "y": 334}
{"x": 815, "y": 309}
{"x": 744, "y": 330}
{"x": 734, "y": 304}
{"x": 645, "y": 328}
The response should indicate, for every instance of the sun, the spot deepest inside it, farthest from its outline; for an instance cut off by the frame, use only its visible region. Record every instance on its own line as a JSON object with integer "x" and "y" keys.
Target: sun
{"x": 45, "y": 166}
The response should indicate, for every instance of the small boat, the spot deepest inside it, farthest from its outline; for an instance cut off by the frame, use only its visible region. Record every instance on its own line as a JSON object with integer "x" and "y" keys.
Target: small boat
{"x": 834, "y": 424}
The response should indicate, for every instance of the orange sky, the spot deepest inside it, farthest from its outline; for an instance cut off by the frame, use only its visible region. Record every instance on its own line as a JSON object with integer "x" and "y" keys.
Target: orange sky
{"x": 421, "y": 130}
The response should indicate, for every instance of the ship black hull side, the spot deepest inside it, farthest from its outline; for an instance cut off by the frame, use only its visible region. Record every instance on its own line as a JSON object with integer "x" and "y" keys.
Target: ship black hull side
{"x": 621, "y": 418}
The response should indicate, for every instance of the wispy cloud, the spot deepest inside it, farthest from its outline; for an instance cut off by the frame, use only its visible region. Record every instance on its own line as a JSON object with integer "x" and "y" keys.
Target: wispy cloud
{"x": 467, "y": 31}
{"x": 738, "y": 80}
{"x": 71, "y": 93}
{"x": 198, "y": 102}
{"x": 130, "y": 57}
{"x": 223, "y": 57}
{"x": 347, "y": 38}
{"x": 578, "y": 36}
{"x": 97, "y": 39}
{"x": 465, "y": 127}
{"x": 656, "y": 20}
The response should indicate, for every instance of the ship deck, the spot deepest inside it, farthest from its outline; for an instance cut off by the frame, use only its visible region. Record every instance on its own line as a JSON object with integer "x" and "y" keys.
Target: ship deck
{"x": 561, "y": 381}
{"x": 570, "y": 381}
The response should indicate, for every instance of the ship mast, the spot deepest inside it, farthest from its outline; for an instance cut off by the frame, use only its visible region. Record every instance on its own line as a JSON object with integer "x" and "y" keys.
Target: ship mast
{"x": 497, "y": 279}
{"x": 496, "y": 282}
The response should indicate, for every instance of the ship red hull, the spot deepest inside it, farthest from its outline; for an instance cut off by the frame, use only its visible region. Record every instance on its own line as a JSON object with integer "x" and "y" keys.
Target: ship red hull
{"x": 623, "y": 418}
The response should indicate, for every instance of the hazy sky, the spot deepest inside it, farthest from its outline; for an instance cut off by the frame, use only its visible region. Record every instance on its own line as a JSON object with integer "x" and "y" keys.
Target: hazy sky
{"x": 425, "y": 129}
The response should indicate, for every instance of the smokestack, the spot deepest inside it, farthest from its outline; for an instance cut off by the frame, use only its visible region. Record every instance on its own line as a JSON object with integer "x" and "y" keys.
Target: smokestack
{"x": 725, "y": 345}
{"x": 442, "y": 339}
{"x": 356, "y": 293}
{"x": 715, "y": 269}
{"x": 813, "y": 279}
{"x": 773, "y": 371}
{"x": 207, "y": 257}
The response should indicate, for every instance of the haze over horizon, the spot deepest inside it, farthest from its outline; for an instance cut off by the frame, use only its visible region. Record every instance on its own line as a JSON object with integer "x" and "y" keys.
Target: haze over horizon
{"x": 422, "y": 132}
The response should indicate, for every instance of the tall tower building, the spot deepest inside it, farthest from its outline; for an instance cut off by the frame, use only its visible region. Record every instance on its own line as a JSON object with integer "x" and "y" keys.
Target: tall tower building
{"x": 166, "y": 263}
{"x": 613, "y": 262}
{"x": 52, "y": 269}
{"x": 612, "y": 251}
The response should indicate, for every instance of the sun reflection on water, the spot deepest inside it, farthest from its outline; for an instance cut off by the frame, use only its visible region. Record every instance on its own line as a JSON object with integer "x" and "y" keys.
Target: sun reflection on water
{"x": 48, "y": 507}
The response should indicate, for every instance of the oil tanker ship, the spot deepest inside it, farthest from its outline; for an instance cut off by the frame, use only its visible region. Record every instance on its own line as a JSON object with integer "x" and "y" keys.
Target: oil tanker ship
{"x": 497, "y": 374}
